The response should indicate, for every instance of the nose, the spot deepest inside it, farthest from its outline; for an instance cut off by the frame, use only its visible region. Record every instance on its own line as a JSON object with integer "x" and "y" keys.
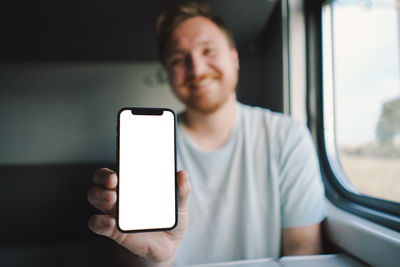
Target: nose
{"x": 197, "y": 65}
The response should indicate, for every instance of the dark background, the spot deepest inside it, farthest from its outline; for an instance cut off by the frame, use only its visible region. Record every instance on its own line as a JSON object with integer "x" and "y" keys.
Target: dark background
{"x": 69, "y": 58}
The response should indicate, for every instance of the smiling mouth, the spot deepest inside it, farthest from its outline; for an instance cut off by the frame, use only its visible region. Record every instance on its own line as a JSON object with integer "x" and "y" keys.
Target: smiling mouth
{"x": 202, "y": 82}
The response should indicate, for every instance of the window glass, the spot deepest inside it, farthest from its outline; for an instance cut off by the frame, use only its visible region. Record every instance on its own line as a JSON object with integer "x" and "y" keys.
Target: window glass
{"x": 362, "y": 91}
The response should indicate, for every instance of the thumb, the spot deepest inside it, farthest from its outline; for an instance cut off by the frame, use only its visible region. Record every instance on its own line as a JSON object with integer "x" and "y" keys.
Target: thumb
{"x": 184, "y": 188}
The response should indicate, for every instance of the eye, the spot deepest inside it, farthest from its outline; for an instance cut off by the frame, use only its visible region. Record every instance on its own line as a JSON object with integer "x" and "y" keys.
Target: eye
{"x": 209, "y": 51}
{"x": 175, "y": 61}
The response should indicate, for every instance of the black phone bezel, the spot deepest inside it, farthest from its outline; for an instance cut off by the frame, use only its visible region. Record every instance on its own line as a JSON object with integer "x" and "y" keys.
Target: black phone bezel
{"x": 155, "y": 112}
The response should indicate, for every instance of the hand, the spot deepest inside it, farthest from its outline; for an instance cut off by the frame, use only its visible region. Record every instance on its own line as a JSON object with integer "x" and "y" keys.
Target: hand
{"x": 154, "y": 247}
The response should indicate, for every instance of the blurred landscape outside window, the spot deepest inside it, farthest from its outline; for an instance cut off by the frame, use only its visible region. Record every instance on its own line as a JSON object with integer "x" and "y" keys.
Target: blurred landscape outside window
{"x": 364, "y": 43}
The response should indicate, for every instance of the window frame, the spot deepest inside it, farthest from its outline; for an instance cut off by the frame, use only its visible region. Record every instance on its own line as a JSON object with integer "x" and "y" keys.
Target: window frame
{"x": 383, "y": 212}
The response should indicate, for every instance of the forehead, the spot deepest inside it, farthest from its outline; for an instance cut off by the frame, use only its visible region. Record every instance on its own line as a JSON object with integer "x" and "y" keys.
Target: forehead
{"x": 196, "y": 31}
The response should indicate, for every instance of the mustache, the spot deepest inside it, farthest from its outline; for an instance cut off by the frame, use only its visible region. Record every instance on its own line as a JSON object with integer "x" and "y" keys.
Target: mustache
{"x": 192, "y": 81}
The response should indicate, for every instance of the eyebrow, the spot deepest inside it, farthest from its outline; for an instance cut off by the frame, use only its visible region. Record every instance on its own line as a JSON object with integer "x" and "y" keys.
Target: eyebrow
{"x": 180, "y": 51}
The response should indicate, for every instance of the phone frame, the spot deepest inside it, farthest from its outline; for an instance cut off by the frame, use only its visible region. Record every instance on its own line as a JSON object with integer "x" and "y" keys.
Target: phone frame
{"x": 155, "y": 112}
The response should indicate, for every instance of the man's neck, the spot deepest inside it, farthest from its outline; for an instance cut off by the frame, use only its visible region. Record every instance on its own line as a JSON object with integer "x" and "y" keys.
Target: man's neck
{"x": 212, "y": 131}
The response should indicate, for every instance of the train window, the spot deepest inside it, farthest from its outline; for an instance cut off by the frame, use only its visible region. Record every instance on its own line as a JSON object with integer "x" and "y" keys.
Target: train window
{"x": 361, "y": 80}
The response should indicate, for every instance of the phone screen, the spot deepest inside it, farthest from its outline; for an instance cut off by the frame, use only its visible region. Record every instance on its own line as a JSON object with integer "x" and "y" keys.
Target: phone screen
{"x": 147, "y": 198}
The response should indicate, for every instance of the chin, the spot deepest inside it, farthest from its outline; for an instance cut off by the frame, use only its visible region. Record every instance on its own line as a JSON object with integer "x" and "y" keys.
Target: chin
{"x": 207, "y": 106}
{"x": 207, "y": 109}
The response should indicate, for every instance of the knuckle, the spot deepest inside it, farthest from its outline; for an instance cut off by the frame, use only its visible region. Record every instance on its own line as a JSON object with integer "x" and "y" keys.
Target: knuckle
{"x": 99, "y": 193}
{"x": 109, "y": 196}
{"x": 96, "y": 194}
{"x": 97, "y": 175}
{"x": 92, "y": 223}
{"x": 99, "y": 224}
{"x": 99, "y": 196}
{"x": 91, "y": 196}
{"x": 106, "y": 223}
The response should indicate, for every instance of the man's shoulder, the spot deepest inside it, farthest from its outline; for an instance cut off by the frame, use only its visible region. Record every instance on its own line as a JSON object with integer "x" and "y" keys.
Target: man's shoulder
{"x": 280, "y": 128}
{"x": 271, "y": 119}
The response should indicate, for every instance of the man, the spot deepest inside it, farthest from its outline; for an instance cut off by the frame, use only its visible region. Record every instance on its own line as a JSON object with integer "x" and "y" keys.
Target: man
{"x": 256, "y": 189}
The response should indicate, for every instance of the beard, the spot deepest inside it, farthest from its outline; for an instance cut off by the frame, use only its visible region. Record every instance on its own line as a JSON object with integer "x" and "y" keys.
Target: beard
{"x": 207, "y": 102}
{"x": 206, "y": 106}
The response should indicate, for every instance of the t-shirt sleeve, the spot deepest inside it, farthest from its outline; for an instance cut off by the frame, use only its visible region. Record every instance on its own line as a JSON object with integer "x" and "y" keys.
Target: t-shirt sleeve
{"x": 301, "y": 189}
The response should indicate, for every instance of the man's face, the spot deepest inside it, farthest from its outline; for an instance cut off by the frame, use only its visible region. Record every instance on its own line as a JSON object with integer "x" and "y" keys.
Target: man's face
{"x": 202, "y": 65}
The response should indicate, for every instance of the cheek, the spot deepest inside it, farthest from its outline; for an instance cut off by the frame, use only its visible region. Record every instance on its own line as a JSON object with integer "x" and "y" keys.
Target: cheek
{"x": 226, "y": 64}
{"x": 176, "y": 77}
{"x": 227, "y": 71}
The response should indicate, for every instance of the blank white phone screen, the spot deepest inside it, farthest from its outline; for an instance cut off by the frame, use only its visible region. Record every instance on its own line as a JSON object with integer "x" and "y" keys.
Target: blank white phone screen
{"x": 147, "y": 196}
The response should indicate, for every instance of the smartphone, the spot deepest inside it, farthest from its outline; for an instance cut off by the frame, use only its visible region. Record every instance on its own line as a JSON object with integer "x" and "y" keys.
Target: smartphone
{"x": 147, "y": 187}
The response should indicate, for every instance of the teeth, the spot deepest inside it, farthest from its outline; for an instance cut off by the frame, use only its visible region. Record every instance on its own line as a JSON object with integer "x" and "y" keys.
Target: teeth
{"x": 205, "y": 82}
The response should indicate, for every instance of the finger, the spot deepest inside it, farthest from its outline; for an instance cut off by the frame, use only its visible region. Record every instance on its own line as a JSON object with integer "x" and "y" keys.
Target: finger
{"x": 102, "y": 225}
{"x": 184, "y": 188}
{"x": 102, "y": 199}
{"x": 105, "y": 177}
{"x": 105, "y": 225}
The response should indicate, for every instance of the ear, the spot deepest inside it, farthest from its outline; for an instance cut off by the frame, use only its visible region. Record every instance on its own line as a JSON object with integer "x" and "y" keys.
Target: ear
{"x": 235, "y": 57}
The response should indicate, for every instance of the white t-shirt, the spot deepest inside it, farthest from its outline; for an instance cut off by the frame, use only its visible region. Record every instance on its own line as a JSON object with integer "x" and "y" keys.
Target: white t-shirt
{"x": 265, "y": 178}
